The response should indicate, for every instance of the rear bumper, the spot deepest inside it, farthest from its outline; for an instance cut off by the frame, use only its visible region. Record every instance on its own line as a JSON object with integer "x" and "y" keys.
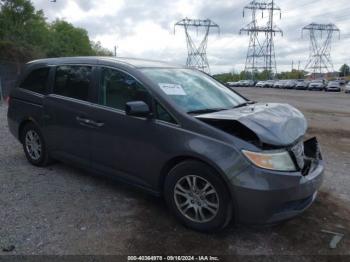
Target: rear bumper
{"x": 266, "y": 197}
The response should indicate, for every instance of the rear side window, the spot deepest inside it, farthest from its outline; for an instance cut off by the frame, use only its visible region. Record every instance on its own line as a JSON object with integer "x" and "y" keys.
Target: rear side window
{"x": 36, "y": 81}
{"x": 73, "y": 81}
{"x": 118, "y": 88}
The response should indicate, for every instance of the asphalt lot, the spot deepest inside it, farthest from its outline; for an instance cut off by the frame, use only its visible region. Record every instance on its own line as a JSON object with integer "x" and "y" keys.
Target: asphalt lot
{"x": 62, "y": 210}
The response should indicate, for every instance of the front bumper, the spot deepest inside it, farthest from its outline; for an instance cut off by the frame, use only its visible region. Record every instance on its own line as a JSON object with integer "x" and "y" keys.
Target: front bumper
{"x": 333, "y": 89}
{"x": 266, "y": 197}
{"x": 316, "y": 88}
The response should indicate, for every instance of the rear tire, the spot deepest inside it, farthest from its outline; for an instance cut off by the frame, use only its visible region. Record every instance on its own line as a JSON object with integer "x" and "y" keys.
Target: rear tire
{"x": 34, "y": 145}
{"x": 198, "y": 196}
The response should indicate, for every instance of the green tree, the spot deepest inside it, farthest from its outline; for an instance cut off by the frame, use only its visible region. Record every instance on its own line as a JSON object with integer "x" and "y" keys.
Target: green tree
{"x": 25, "y": 34}
{"x": 99, "y": 50}
{"x": 67, "y": 40}
{"x": 344, "y": 70}
{"x": 23, "y": 28}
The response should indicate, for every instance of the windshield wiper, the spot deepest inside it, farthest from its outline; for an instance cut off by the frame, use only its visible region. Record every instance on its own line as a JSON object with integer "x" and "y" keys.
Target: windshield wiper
{"x": 247, "y": 103}
{"x": 213, "y": 110}
{"x": 206, "y": 110}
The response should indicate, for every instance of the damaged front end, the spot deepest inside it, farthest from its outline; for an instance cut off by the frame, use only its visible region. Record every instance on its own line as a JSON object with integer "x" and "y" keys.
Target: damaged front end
{"x": 284, "y": 172}
{"x": 277, "y": 129}
{"x": 309, "y": 156}
{"x": 274, "y": 125}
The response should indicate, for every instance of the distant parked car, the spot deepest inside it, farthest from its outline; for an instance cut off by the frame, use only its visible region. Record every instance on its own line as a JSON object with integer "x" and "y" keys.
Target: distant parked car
{"x": 283, "y": 84}
{"x": 238, "y": 84}
{"x": 347, "y": 88}
{"x": 261, "y": 84}
{"x": 249, "y": 83}
{"x": 270, "y": 83}
{"x": 317, "y": 85}
{"x": 290, "y": 84}
{"x": 232, "y": 84}
{"x": 301, "y": 85}
{"x": 341, "y": 81}
{"x": 333, "y": 86}
{"x": 277, "y": 84}
{"x": 242, "y": 83}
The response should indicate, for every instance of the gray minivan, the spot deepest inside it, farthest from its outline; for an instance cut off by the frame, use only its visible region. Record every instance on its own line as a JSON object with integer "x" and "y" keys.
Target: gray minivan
{"x": 176, "y": 132}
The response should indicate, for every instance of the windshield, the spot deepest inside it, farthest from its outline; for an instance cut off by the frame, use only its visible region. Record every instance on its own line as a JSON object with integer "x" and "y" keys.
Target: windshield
{"x": 193, "y": 91}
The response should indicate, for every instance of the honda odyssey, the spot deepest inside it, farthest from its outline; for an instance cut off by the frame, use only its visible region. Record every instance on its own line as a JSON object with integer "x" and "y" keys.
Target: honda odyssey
{"x": 173, "y": 131}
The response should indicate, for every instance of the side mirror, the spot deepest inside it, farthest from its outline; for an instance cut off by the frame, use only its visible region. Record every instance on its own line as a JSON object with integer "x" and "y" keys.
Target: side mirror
{"x": 137, "y": 109}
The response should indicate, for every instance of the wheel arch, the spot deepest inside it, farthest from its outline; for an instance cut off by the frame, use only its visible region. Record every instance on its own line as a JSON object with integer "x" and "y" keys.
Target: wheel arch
{"x": 23, "y": 123}
{"x": 171, "y": 163}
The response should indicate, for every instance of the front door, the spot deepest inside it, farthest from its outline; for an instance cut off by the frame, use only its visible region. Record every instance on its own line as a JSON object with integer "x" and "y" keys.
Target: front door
{"x": 122, "y": 145}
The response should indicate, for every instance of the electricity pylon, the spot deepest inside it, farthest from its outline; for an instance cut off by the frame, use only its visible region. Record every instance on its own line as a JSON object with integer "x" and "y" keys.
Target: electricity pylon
{"x": 261, "y": 50}
{"x": 321, "y": 36}
{"x": 197, "y": 54}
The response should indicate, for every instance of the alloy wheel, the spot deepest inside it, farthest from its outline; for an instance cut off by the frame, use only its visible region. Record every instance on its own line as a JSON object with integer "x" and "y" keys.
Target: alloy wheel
{"x": 196, "y": 198}
{"x": 33, "y": 144}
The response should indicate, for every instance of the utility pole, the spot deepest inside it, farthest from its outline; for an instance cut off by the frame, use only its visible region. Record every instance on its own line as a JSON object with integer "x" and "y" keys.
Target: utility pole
{"x": 321, "y": 37}
{"x": 261, "y": 50}
{"x": 271, "y": 37}
{"x": 197, "y": 54}
{"x": 115, "y": 50}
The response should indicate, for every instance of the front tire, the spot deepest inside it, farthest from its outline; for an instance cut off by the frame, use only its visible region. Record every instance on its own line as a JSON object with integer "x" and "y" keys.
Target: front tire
{"x": 198, "y": 196}
{"x": 34, "y": 145}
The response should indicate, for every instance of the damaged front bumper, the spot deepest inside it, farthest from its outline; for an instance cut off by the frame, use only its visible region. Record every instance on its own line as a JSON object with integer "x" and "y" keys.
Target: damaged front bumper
{"x": 263, "y": 196}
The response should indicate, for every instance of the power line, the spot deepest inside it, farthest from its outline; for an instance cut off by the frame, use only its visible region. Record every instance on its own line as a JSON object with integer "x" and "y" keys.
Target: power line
{"x": 331, "y": 14}
{"x": 197, "y": 54}
{"x": 321, "y": 36}
{"x": 261, "y": 53}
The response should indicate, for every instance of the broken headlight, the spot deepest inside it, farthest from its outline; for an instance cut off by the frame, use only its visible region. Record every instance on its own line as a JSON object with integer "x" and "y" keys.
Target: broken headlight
{"x": 278, "y": 161}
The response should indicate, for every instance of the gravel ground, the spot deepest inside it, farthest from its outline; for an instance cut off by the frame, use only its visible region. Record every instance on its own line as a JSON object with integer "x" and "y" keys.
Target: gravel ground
{"x": 62, "y": 210}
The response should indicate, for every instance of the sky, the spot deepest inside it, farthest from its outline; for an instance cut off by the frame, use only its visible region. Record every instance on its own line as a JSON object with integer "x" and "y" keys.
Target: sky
{"x": 145, "y": 28}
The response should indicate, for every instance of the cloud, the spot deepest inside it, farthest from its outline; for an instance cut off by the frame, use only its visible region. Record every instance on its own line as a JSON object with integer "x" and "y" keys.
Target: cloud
{"x": 86, "y": 5}
{"x": 145, "y": 28}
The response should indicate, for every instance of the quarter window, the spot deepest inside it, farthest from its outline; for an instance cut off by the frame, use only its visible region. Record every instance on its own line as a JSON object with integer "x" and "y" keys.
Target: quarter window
{"x": 118, "y": 88}
{"x": 36, "y": 81}
{"x": 73, "y": 81}
{"x": 163, "y": 115}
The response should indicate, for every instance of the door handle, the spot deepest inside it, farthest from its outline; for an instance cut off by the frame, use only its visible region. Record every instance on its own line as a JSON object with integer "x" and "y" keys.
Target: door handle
{"x": 86, "y": 121}
{"x": 97, "y": 124}
{"x": 83, "y": 120}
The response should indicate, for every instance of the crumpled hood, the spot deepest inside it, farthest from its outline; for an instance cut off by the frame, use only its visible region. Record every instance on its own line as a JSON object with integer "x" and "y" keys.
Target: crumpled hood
{"x": 274, "y": 124}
